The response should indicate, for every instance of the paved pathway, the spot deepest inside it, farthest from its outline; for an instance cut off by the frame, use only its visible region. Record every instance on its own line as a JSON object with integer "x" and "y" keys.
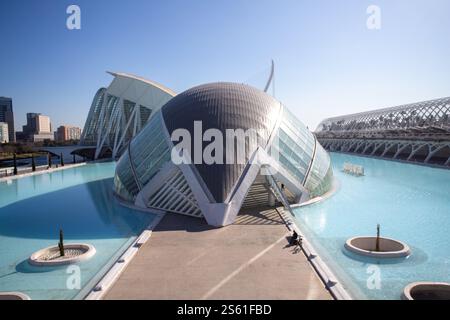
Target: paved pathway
{"x": 187, "y": 259}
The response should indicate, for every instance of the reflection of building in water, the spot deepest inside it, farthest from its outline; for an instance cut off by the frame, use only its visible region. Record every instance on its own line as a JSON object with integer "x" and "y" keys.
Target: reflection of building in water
{"x": 109, "y": 209}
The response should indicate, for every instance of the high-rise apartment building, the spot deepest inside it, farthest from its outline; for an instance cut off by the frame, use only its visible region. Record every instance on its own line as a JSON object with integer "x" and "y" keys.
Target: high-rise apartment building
{"x": 38, "y": 128}
{"x": 7, "y": 116}
{"x": 67, "y": 133}
{"x": 4, "y": 134}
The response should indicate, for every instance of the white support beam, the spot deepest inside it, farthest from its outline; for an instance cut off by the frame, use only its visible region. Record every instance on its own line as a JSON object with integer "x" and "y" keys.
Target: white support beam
{"x": 368, "y": 145}
{"x": 125, "y": 130}
{"x": 117, "y": 130}
{"x": 447, "y": 163}
{"x": 400, "y": 150}
{"x": 432, "y": 151}
{"x": 415, "y": 150}
{"x": 388, "y": 147}
{"x": 114, "y": 114}
{"x": 101, "y": 123}
{"x": 377, "y": 146}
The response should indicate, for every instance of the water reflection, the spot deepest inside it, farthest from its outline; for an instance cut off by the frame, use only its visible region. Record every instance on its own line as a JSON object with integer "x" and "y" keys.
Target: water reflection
{"x": 86, "y": 211}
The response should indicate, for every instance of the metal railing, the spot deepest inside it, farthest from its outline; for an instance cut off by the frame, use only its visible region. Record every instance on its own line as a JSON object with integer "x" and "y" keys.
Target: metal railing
{"x": 279, "y": 195}
{"x": 6, "y": 172}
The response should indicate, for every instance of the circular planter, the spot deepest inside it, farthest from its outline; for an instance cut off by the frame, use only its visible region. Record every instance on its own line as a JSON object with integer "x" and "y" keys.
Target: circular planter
{"x": 427, "y": 291}
{"x": 366, "y": 246}
{"x": 74, "y": 253}
{"x": 13, "y": 296}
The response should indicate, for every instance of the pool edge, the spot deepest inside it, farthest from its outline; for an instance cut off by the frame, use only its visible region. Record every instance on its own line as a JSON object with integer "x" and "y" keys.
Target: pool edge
{"x": 112, "y": 275}
{"x": 328, "y": 278}
{"x": 41, "y": 172}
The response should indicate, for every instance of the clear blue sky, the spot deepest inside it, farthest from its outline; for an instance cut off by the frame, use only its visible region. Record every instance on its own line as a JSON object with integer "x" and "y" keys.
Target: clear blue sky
{"x": 327, "y": 61}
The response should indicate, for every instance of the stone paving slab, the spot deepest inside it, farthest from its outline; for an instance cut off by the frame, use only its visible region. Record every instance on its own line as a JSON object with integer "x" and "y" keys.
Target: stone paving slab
{"x": 187, "y": 259}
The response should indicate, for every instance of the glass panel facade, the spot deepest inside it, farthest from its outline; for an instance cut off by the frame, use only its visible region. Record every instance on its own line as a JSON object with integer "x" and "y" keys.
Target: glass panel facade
{"x": 120, "y": 112}
{"x": 89, "y": 136}
{"x": 295, "y": 146}
{"x": 124, "y": 183}
{"x": 145, "y": 115}
{"x": 110, "y": 116}
{"x": 149, "y": 151}
{"x": 320, "y": 176}
{"x": 128, "y": 108}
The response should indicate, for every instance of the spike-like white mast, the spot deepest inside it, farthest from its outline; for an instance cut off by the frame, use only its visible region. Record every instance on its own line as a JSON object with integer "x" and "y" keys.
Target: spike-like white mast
{"x": 272, "y": 71}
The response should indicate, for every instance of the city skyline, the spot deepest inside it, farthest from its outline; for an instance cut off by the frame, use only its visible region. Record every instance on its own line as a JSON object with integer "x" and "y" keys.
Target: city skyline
{"x": 36, "y": 124}
{"x": 20, "y": 129}
{"x": 327, "y": 61}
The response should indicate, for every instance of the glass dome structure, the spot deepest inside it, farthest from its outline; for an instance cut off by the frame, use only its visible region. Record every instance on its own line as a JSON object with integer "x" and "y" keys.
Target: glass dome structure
{"x": 147, "y": 176}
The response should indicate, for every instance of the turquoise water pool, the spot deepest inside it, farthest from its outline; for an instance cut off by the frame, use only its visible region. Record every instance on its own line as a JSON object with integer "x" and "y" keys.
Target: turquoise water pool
{"x": 78, "y": 200}
{"x": 410, "y": 202}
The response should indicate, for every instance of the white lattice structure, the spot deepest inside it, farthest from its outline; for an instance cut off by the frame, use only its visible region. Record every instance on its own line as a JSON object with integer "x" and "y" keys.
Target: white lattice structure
{"x": 420, "y": 115}
{"x": 171, "y": 193}
{"x": 120, "y": 111}
{"x": 418, "y": 132}
{"x": 423, "y": 151}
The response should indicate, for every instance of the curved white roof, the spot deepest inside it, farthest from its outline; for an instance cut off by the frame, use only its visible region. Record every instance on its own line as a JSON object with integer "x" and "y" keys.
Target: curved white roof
{"x": 125, "y": 106}
{"x": 146, "y": 81}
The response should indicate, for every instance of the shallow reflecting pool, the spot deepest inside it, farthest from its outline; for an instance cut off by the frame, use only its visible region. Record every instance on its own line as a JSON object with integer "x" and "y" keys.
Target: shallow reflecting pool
{"x": 78, "y": 200}
{"x": 410, "y": 202}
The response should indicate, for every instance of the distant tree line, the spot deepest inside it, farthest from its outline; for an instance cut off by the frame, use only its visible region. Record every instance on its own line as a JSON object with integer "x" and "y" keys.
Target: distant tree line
{"x": 29, "y": 147}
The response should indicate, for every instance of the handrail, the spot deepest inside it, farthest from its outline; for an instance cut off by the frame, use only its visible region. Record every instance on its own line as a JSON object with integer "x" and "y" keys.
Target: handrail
{"x": 278, "y": 193}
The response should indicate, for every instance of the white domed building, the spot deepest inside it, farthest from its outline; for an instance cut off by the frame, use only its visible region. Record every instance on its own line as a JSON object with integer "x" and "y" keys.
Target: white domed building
{"x": 157, "y": 171}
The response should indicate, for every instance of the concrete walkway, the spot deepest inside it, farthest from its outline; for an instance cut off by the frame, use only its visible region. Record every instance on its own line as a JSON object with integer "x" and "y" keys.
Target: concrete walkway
{"x": 187, "y": 259}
